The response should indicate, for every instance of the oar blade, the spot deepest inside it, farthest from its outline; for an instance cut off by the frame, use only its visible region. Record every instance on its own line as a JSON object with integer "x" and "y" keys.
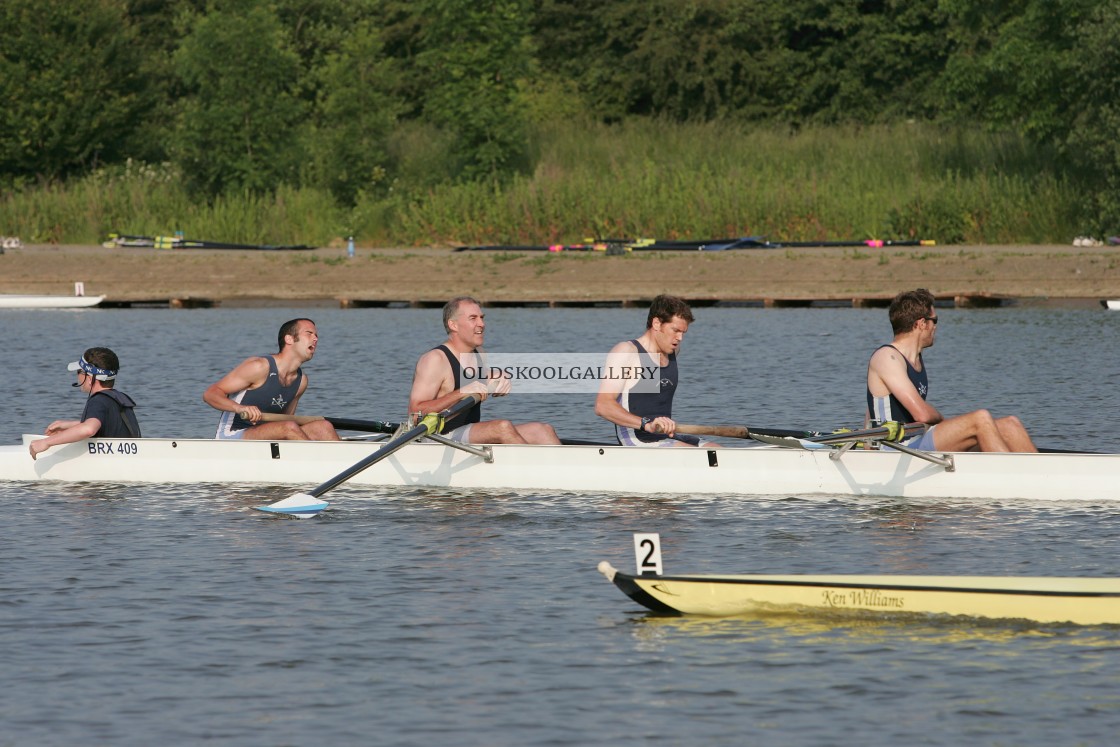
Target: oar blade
{"x": 299, "y": 505}
{"x": 306, "y": 505}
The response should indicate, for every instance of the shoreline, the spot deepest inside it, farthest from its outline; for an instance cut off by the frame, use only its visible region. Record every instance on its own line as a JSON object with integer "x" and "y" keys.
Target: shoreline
{"x": 1047, "y": 275}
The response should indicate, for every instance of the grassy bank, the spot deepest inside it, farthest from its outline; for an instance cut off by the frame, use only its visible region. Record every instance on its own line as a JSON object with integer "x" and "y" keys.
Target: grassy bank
{"x": 639, "y": 179}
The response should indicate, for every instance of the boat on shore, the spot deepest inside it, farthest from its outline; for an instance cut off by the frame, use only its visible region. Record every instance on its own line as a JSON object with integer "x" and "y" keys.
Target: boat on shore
{"x": 1081, "y": 601}
{"x": 755, "y": 471}
{"x": 117, "y": 240}
{"x": 16, "y": 301}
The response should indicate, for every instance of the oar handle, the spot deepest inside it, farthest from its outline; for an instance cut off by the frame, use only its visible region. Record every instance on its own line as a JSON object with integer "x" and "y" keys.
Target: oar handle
{"x": 726, "y": 431}
{"x": 740, "y": 431}
{"x": 281, "y": 417}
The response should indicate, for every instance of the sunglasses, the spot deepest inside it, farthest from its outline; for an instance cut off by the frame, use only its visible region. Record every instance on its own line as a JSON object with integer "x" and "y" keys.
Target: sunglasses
{"x": 930, "y": 319}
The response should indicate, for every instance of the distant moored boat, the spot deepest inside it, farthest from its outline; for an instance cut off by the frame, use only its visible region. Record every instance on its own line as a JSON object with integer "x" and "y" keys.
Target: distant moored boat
{"x": 10, "y": 301}
{"x": 77, "y": 301}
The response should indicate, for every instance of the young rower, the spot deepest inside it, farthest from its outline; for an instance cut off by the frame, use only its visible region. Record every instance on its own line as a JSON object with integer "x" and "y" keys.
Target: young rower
{"x": 107, "y": 413}
{"x": 640, "y": 417}
{"x": 437, "y": 383}
{"x": 897, "y": 386}
{"x": 272, "y": 384}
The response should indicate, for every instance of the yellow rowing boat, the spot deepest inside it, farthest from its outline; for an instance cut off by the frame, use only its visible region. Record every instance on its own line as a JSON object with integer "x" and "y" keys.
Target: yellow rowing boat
{"x": 1081, "y": 601}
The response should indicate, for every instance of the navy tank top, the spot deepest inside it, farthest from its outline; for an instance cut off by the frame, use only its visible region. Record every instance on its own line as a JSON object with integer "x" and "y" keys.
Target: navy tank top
{"x": 883, "y": 409}
{"x": 651, "y": 404}
{"x": 472, "y": 415}
{"x": 270, "y": 396}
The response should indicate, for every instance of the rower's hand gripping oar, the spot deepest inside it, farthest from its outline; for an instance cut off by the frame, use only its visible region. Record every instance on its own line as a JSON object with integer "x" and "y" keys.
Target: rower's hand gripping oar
{"x": 307, "y": 505}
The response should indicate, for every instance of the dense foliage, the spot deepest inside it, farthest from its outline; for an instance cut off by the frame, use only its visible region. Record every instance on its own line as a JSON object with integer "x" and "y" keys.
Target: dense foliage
{"x": 381, "y": 101}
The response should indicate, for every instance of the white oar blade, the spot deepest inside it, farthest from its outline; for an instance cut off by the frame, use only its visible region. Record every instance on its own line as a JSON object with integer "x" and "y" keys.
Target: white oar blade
{"x": 300, "y": 505}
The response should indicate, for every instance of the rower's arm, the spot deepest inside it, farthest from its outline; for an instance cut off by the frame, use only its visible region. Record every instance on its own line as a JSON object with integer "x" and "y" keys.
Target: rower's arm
{"x": 608, "y": 408}
{"x": 85, "y": 429}
{"x": 60, "y": 425}
{"x": 249, "y": 374}
{"x": 622, "y": 355}
{"x": 432, "y": 375}
{"x": 887, "y": 371}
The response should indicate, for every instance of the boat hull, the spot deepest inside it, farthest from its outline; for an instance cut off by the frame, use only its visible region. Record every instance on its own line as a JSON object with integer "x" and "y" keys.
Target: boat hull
{"x": 9, "y": 301}
{"x": 771, "y": 471}
{"x": 1081, "y": 601}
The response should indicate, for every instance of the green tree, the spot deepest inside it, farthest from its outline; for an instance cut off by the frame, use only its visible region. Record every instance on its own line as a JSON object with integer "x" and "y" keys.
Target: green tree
{"x": 822, "y": 60}
{"x": 70, "y": 84}
{"x": 317, "y": 29}
{"x": 239, "y": 122}
{"x": 1094, "y": 131}
{"x": 155, "y": 40}
{"x": 1013, "y": 63}
{"x": 355, "y": 116}
{"x": 858, "y": 60}
{"x": 402, "y": 26}
{"x": 474, "y": 53}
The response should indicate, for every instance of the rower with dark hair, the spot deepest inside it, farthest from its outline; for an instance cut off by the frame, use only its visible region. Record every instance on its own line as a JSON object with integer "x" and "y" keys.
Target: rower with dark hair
{"x": 897, "y": 387}
{"x": 107, "y": 413}
{"x": 270, "y": 384}
{"x": 641, "y": 409}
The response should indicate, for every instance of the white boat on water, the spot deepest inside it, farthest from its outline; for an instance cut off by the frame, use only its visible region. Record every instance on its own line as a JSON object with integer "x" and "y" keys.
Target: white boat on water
{"x": 1112, "y": 304}
{"x": 15, "y": 301}
{"x": 763, "y": 470}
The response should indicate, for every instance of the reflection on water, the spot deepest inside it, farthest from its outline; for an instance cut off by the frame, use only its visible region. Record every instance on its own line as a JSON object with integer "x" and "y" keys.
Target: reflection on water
{"x": 896, "y": 630}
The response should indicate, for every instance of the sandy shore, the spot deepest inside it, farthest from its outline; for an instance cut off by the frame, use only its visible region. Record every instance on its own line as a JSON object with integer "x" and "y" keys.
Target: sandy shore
{"x": 1037, "y": 274}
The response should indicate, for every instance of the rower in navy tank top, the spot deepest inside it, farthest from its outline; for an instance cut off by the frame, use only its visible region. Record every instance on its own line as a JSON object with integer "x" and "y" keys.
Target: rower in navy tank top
{"x": 651, "y": 405}
{"x": 885, "y": 409}
{"x": 472, "y": 415}
{"x": 271, "y": 396}
{"x": 641, "y": 416}
{"x": 898, "y": 387}
{"x": 437, "y": 384}
{"x": 270, "y": 385}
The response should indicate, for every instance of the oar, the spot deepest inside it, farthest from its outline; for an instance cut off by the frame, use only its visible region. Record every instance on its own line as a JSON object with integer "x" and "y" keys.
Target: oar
{"x": 761, "y": 242}
{"x": 740, "y": 431}
{"x": 882, "y": 433}
{"x": 306, "y": 505}
{"x": 588, "y": 247}
{"x": 873, "y": 243}
{"x": 342, "y": 424}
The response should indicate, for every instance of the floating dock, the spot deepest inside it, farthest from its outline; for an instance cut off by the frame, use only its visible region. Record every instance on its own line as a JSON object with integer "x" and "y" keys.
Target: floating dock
{"x": 959, "y": 301}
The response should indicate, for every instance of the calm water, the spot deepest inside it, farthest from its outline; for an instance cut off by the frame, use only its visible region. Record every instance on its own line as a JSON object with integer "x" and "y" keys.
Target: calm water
{"x": 131, "y": 614}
